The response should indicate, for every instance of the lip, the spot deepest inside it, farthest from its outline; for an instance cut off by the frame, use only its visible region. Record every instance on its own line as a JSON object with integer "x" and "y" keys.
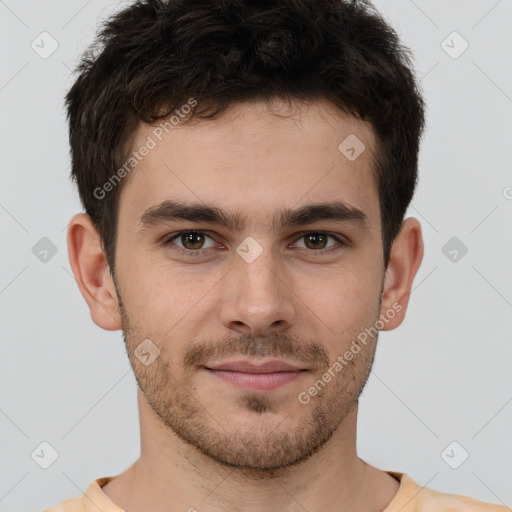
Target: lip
{"x": 266, "y": 376}
{"x": 268, "y": 366}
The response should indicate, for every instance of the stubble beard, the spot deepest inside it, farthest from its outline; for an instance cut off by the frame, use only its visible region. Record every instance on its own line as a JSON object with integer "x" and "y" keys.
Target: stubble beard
{"x": 265, "y": 449}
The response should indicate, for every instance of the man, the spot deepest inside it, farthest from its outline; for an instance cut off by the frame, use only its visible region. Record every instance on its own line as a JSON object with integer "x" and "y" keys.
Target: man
{"x": 245, "y": 168}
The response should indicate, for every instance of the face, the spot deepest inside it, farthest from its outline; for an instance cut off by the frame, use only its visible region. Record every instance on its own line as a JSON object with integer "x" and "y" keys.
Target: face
{"x": 249, "y": 300}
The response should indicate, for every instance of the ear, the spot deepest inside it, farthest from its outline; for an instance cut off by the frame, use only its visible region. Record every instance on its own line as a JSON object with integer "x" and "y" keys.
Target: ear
{"x": 92, "y": 272}
{"x": 405, "y": 260}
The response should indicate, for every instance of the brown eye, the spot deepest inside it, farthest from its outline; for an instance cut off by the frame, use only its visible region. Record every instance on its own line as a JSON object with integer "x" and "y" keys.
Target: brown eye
{"x": 189, "y": 242}
{"x": 192, "y": 240}
{"x": 316, "y": 240}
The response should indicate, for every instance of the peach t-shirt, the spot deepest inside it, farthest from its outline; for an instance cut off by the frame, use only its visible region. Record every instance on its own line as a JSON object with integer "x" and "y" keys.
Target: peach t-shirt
{"x": 409, "y": 498}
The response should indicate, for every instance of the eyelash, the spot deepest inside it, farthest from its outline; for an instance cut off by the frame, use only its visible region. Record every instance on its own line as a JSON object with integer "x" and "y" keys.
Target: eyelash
{"x": 168, "y": 241}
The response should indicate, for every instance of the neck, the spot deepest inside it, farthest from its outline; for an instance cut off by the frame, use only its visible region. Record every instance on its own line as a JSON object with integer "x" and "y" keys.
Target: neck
{"x": 172, "y": 473}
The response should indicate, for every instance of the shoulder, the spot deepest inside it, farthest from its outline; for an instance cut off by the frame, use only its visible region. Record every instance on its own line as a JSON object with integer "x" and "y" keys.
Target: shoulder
{"x": 69, "y": 505}
{"x": 444, "y": 502}
{"x": 423, "y": 499}
{"x": 92, "y": 500}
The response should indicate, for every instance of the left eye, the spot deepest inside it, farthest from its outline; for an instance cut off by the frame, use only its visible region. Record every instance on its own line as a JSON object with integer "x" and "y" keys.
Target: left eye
{"x": 318, "y": 238}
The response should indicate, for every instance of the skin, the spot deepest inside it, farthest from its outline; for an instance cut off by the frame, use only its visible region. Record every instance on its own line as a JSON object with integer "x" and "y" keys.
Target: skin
{"x": 206, "y": 444}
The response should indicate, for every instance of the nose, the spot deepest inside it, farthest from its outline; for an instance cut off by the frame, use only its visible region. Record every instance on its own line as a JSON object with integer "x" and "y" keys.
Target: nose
{"x": 258, "y": 297}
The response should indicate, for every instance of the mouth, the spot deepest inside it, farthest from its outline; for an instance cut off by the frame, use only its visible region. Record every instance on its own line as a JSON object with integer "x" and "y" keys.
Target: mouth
{"x": 257, "y": 376}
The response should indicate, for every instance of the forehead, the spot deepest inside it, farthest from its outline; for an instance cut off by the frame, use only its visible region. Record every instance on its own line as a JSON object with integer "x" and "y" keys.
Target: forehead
{"x": 255, "y": 160}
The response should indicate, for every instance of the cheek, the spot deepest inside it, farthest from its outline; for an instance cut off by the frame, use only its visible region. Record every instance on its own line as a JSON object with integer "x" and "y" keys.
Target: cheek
{"x": 162, "y": 297}
{"x": 345, "y": 300}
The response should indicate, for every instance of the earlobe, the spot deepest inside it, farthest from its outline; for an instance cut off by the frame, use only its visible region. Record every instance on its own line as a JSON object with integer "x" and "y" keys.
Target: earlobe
{"x": 92, "y": 273}
{"x": 405, "y": 260}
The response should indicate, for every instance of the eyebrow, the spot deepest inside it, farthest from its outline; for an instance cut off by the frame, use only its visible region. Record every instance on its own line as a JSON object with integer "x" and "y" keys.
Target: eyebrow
{"x": 286, "y": 217}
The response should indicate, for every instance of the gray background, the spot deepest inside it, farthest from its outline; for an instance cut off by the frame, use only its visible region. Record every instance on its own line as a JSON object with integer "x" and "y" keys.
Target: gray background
{"x": 443, "y": 376}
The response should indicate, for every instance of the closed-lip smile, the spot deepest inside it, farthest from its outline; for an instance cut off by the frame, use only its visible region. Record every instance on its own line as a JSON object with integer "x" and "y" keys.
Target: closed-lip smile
{"x": 256, "y": 375}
